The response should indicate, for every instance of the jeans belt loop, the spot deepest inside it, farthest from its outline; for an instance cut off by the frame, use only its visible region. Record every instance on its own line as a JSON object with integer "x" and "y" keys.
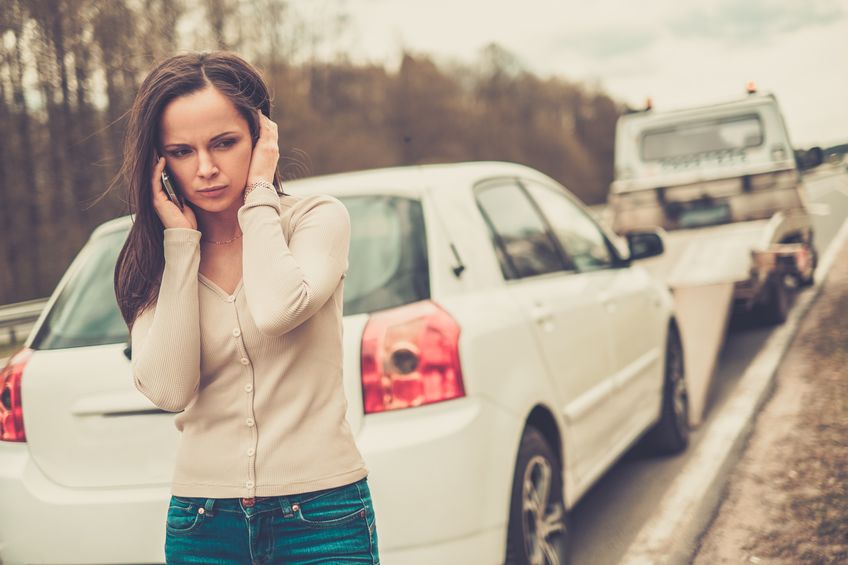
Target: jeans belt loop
{"x": 210, "y": 503}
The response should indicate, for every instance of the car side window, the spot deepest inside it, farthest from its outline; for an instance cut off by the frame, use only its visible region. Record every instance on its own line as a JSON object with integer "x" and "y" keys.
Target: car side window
{"x": 580, "y": 237}
{"x": 524, "y": 245}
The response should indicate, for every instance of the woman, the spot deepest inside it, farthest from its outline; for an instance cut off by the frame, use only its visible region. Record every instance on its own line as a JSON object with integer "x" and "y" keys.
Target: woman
{"x": 233, "y": 297}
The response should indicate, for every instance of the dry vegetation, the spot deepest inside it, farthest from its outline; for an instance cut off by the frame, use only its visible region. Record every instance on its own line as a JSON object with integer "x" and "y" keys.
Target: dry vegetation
{"x": 69, "y": 70}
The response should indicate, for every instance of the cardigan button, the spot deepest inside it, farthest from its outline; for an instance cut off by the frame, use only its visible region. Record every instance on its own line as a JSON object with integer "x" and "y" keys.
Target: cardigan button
{"x": 245, "y": 361}
{"x": 236, "y": 332}
{"x": 248, "y": 387}
{"x": 249, "y": 422}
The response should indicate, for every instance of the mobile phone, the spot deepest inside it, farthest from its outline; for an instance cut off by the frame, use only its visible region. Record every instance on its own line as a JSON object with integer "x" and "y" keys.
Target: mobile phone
{"x": 169, "y": 189}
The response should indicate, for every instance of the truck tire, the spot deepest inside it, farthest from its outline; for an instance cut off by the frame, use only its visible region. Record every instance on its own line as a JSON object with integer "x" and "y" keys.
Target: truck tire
{"x": 775, "y": 309}
{"x": 671, "y": 433}
{"x": 808, "y": 281}
{"x": 538, "y": 531}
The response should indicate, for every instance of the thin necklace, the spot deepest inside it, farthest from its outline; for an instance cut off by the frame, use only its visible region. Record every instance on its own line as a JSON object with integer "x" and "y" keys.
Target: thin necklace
{"x": 225, "y": 242}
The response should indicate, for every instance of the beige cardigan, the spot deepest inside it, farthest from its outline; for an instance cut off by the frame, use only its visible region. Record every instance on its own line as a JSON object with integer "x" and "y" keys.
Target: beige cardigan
{"x": 257, "y": 375}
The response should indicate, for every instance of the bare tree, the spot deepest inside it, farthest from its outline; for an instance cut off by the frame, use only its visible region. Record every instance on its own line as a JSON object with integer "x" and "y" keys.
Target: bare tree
{"x": 69, "y": 71}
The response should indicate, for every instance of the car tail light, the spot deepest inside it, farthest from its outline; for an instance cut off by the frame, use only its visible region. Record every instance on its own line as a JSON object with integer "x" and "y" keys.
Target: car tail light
{"x": 11, "y": 407}
{"x": 410, "y": 357}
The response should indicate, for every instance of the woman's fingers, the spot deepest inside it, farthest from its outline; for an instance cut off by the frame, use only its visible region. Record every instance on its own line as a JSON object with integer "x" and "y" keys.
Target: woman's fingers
{"x": 266, "y": 153}
{"x": 266, "y": 124}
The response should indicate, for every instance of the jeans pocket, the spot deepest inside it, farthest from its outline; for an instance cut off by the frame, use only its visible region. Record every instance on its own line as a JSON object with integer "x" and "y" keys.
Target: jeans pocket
{"x": 331, "y": 508}
{"x": 184, "y": 515}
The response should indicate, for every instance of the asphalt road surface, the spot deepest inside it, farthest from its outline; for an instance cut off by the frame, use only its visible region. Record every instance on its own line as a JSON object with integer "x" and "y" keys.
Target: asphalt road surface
{"x": 608, "y": 518}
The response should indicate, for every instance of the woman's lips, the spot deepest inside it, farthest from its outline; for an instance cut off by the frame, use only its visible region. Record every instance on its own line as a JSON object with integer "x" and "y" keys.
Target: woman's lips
{"x": 212, "y": 193}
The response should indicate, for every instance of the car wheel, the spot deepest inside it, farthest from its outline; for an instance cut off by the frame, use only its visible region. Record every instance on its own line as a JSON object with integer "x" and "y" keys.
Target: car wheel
{"x": 671, "y": 434}
{"x": 538, "y": 532}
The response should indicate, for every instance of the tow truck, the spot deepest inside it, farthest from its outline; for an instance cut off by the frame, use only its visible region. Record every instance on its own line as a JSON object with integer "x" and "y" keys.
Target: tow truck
{"x": 725, "y": 188}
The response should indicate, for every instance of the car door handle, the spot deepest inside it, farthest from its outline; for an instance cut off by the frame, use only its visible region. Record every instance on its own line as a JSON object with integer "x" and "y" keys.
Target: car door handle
{"x": 543, "y": 316}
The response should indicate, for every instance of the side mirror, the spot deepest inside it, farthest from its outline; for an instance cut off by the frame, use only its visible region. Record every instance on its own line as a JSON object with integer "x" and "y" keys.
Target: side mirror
{"x": 815, "y": 157}
{"x": 809, "y": 158}
{"x": 645, "y": 244}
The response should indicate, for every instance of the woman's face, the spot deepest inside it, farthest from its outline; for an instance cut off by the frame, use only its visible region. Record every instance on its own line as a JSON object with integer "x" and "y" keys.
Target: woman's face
{"x": 207, "y": 145}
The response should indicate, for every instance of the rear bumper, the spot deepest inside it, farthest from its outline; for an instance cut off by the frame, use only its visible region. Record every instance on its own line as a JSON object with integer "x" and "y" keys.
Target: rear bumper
{"x": 43, "y": 522}
{"x": 440, "y": 477}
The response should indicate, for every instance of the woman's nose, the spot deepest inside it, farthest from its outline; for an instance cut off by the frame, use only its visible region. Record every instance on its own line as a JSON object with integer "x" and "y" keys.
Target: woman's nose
{"x": 206, "y": 165}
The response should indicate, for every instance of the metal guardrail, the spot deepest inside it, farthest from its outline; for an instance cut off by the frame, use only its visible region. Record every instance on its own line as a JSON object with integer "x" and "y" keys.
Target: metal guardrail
{"x": 20, "y": 313}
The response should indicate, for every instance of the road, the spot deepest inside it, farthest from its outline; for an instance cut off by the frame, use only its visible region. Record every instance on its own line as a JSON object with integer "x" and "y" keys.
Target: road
{"x": 610, "y": 515}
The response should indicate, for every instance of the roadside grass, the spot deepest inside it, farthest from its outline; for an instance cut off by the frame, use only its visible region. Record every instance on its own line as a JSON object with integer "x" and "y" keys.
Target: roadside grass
{"x": 787, "y": 499}
{"x": 817, "y": 487}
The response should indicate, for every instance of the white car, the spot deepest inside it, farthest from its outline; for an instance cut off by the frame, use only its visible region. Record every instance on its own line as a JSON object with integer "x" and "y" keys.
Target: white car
{"x": 501, "y": 352}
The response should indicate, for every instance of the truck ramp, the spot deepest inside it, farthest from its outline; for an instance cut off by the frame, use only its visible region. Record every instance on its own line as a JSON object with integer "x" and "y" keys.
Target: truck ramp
{"x": 701, "y": 267}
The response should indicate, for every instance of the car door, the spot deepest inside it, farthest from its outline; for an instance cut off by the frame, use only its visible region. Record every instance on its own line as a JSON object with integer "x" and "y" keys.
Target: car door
{"x": 631, "y": 306}
{"x": 566, "y": 311}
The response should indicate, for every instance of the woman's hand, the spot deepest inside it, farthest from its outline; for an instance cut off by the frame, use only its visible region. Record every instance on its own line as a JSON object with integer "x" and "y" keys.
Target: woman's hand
{"x": 266, "y": 153}
{"x": 170, "y": 214}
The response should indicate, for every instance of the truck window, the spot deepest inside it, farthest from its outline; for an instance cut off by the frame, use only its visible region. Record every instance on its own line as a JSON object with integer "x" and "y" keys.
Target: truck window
{"x": 728, "y": 135}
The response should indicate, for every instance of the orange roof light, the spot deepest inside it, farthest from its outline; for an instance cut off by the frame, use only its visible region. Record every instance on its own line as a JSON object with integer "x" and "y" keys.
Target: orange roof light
{"x": 750, "y": 87}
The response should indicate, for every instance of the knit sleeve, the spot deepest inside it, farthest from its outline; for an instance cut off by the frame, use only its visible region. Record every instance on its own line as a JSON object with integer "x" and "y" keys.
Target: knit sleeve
{"x": 286, "y": 282}
{"x": 166, "y": 337}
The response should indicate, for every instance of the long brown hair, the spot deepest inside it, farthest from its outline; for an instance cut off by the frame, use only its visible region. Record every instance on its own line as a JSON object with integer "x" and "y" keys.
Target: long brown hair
{"x": 138, "y": 272}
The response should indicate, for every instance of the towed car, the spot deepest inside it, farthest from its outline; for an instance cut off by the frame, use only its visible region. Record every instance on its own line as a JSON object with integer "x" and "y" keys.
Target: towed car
{"x": 501, "y": 352}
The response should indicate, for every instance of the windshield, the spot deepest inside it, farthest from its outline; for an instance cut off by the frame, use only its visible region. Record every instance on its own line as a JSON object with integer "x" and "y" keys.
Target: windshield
{"x": 388, "y": 268}
{"x": 728, "y": 135}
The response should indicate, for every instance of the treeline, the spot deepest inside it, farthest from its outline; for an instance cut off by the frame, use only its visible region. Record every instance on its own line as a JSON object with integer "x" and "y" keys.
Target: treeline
{"x": 69, "y": 71}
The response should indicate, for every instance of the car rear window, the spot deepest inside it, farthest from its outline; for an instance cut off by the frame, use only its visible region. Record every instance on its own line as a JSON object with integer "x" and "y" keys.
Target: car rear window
{"x": 388, "y": 268}
{"x": 388, "y": 254}
{"x": 86, "y": 311}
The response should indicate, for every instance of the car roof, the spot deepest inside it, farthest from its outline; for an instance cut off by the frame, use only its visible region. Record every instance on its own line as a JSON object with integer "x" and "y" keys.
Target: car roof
{"x": 410, "y": 181}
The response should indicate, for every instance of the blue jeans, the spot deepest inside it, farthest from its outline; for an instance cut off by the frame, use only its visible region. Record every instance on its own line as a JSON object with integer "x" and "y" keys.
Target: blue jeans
{"x": 335, "y": 525}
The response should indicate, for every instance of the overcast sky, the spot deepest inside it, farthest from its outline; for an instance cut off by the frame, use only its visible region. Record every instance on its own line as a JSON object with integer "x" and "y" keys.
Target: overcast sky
{"x": 679, "y": 53}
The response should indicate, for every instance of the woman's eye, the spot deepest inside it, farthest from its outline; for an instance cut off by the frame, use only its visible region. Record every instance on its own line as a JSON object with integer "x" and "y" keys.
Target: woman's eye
{"x": 179, "y": 153}
{"x": 227, "y": 143}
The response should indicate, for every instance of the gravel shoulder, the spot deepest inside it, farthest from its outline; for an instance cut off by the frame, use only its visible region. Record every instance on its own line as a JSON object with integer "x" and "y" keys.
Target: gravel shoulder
{"x": 786, "y": 502}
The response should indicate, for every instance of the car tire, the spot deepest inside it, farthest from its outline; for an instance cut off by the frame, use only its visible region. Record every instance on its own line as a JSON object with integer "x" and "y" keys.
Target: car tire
{"x": 670, "y": 434}
{"x": 538, "y": 531}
